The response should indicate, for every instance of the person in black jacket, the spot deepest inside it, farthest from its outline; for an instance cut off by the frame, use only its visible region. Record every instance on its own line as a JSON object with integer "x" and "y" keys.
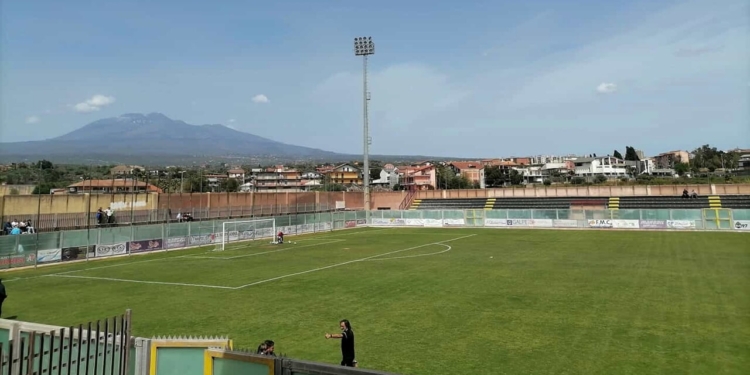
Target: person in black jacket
{"x": 347, "y": 343}
{"x": 3, "y": 296}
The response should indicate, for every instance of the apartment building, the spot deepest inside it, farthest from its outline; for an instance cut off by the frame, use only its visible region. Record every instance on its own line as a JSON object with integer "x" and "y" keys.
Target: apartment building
{"x": 607, "y": 166}
{"x": 277, "y": 178}
{"x": 343, "y": 174}
{"x": 119, "y": 185}
{"x": 473, "y": 171}
{"x": 422, "y": 178}
{"x": 667, "y": 160}
{"x": 389, "y": 176}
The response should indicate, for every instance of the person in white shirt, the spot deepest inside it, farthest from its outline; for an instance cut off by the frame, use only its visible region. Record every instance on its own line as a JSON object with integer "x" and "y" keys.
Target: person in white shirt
{"x": 109, "y": 214}
{"x": 14, "y": 223}
{"x": 179, "y": 217}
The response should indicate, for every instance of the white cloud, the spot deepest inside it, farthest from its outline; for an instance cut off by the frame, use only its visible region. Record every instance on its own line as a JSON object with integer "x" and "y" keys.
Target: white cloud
{"x": 606, "y": 88}
{"x": 260, "y": 98}
{"x": 32, "y": 120}
{"x": 94, "y": 104}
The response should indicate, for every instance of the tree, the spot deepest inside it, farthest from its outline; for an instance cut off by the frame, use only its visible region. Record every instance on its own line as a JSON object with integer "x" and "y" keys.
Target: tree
{"x": 617, "y": 154}
{"x": 547, "y": 182}
{"x": 577, "y": 180}
{"x": 493, "y": 176}
{"x": 230, "y": 185}
{"x": 515, "y": 177}
{"x": 397, "y": 187}
{"x": 681, "y": 168}
{"x": 631, "y": 154}
{"x": 44, "y": 164}
{"x": 375, "y": 174}
{"x": 600, "y": 179}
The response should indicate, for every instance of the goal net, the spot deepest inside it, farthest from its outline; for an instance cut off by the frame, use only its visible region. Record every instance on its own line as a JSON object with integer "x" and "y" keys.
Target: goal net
{"x": 246, "y": 230}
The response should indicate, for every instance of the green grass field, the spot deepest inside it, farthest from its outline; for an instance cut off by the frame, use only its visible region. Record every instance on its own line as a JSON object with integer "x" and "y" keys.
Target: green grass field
{"x": 436, "y": 301}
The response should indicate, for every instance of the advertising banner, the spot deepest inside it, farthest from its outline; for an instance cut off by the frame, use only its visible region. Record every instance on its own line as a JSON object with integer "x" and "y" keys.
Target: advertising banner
{"x": 49, "y": 256}
{"x": 306, "y": 228}
{"x": 176, "y": 242}
{"x": 350, "y": 223}
{"x": 742, "y": 224}
{"x": 600, "y": 223}
{"x": 73, "y": 253}
{"x": 542, "y": 223}
{"x": 681, "y": 224}
{"x": 414, "y": 222}
{"x": 110, "y": 250}
{"x": 201, "y": 240}
{"x": 565, "y": 223}
{"x": 453, "y": 222}
{"x": 433, "y": 223}
{"x": 518, "y": 222}
{"x": 361, "y": 222}
{"x": 144, "y": 246}
{"x": 653, "y": 224}
{"x": 17, "y": 260}
{"x": 389, "y": 222}
{"x": 246, "y": 234}
{"x": 625, "y": 224}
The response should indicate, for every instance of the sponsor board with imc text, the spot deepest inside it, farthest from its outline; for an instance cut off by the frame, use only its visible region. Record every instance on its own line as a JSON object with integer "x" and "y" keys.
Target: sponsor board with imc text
{"x": 742, "y": 224}
{"x": 602, "y": 223}
{"x": 49, "y": 256}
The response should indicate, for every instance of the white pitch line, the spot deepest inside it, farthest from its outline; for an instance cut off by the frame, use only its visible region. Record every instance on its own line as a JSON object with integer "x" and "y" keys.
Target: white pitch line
{"x": 447, "y": 249}
{"x": 349, "y": 262}
{"x": 140, "y": 281}
{"x": 264, "y": 252}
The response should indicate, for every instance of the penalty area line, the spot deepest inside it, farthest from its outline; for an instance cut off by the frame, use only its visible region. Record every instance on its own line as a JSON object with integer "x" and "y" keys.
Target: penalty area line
{"x": 350, "y": 262}
{"x": 140, "y": 281}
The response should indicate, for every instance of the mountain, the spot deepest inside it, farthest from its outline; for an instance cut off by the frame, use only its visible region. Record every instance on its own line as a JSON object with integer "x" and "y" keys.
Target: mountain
{"x": 134, "y": 135}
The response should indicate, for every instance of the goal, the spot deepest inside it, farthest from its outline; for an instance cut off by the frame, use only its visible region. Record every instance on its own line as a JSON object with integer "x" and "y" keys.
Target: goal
{"x": 246, "y": 230}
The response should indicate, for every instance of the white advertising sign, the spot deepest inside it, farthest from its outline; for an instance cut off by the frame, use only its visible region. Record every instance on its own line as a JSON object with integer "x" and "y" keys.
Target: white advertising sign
{"x": 518, "y": 222}
{"x": 565, "y": 223}
{"x": 625, "y": 224}
{"x": 388, "y": 222}
{"x": 414, "y": 222}
{"x": 435, "y": 223}
{"x": 600, "y": 223}
{"x": 681, "y": 224}
{"x": 742, "y": 224}
{"x": 46, "y": 256}
{"x": 109, "y": 250}
{"x": 453, "y": 222}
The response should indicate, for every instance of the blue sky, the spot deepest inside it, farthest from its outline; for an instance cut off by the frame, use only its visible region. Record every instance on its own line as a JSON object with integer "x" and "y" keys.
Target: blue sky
{"x": 479, "y": 78}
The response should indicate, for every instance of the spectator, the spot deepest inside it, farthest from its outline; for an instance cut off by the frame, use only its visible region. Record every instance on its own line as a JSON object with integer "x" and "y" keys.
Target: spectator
{"x": 29, "y": 227}
{"x": 22, "y": 226}
{"x": 693, "y": 194}
{"x": 267, "y": 348}
{"x": 99, "y": 216}
{"x": 7, "y": 227}
{"x": 179, "y": 217}
{"x": 110, "y": 215}
{"x": 14, "y": 223}
{"x": 347, "y": 343}
{"x": 685, "y": 194}
{"x": 15, "y": 230}
{"x": 3, "y": 296}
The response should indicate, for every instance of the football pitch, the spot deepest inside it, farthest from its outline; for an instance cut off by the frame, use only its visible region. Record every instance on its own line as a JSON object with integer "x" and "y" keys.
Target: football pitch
{"x": 435, "y": 301}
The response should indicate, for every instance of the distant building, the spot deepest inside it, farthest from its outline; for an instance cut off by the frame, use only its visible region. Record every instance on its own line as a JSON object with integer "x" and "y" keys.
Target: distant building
{"x": 278, "y": 178}
{"x": 343, "y": 174}
{"x": 389, "y": 176}
{"x": 125, "y": 170}
{"x": 237, "y": 173}
{"x": 473, "y": 171}
{"x": 607, "y": 166}
{"x": 667, "y": 160}
{"x": 422, "y": 178}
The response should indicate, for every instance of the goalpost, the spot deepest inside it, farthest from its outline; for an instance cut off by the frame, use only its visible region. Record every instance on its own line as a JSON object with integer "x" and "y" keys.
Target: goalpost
{"x": 246, "y": 230}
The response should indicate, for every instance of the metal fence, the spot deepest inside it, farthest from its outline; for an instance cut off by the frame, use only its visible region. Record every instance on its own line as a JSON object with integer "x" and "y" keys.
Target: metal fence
{"x": 699, "y": 219}
{"x": 59, "y": 246}
{"x": 79, "y": 220}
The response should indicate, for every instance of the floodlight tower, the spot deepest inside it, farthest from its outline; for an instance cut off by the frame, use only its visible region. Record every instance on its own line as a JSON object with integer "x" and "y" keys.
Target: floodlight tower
{"x": 363, "y": 46}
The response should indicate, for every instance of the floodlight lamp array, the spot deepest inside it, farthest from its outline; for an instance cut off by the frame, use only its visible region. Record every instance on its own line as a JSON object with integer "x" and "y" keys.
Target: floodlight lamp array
{"x": 364, "y": 46}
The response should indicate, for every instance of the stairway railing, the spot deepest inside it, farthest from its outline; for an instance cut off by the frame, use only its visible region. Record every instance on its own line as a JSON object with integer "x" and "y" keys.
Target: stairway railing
{"x": 408, "y": 199}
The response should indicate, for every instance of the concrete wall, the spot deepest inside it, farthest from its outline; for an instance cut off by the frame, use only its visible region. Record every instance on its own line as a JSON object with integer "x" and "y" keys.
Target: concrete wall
{"x": 24, "y": 205}
{"x": 22, "y": 189}
{"x": 66, "y": 203}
